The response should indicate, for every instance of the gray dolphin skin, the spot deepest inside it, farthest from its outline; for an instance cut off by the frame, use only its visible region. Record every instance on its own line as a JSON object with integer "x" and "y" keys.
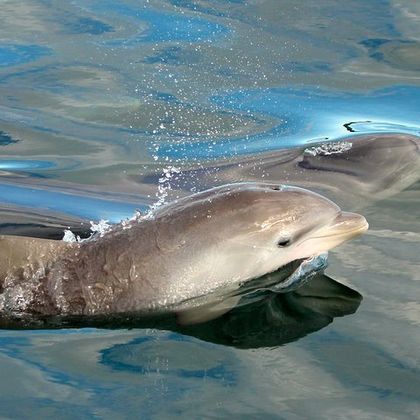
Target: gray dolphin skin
{"x": 214, "y": 240}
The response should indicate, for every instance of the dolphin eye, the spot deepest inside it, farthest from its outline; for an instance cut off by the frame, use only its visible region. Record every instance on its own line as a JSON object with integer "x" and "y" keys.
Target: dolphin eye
{"x": 282, "y": 243}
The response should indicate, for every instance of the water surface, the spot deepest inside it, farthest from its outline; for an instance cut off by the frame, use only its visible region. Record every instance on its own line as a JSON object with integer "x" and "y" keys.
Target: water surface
{"x": 103, "y": 103}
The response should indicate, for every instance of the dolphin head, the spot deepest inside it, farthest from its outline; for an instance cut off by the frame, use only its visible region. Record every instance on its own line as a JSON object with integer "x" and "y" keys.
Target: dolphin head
{"x": 242, "y": 231}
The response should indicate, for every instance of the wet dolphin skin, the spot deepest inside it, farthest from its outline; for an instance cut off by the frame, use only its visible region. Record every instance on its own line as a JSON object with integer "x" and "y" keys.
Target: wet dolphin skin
{"x": 214, "y": 240}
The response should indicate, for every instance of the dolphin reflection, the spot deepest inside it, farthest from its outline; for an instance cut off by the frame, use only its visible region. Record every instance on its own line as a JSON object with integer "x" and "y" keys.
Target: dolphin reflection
{"x": 279, "y": 318}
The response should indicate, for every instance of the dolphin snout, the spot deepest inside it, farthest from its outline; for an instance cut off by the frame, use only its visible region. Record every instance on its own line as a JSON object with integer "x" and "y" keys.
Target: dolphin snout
{"x": 343, "y": 227}
{"x": 348, "y": 225}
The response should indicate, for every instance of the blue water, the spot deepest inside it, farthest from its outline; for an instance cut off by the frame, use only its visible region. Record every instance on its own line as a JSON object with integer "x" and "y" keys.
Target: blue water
{"x": 99, "y": 99}
{"x": 13, "y": 54}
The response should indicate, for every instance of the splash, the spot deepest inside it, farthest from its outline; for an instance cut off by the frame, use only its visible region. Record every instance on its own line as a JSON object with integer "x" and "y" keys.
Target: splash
{"x": 170, "y": 173}
{"x": 100, "y": 228}
{"x": 137, "y": 216}
{"x": 332, "y": 148}
{"x": 69, "y": 236}
{"x": 97, "y": 229}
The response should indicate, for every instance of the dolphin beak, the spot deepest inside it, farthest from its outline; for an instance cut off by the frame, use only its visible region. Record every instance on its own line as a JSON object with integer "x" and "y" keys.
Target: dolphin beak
{"x": 348, "y": 225}
{"x": 344, "y": 227}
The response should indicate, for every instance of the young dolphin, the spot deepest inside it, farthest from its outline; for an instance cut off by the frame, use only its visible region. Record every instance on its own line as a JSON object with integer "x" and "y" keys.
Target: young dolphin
{"x": 214, "y": 240}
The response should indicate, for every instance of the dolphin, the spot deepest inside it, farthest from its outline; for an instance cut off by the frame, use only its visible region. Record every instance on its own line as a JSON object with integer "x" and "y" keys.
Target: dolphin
{"x": 353, "y": 171}
{"x": 215, "y": 240}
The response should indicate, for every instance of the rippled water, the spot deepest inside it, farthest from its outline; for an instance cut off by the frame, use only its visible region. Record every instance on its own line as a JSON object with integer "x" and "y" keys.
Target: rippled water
{"x": 107, "y": 107}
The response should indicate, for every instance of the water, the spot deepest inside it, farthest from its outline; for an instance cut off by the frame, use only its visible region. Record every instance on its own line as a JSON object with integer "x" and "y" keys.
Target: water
{"x": 101, "y": 100}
